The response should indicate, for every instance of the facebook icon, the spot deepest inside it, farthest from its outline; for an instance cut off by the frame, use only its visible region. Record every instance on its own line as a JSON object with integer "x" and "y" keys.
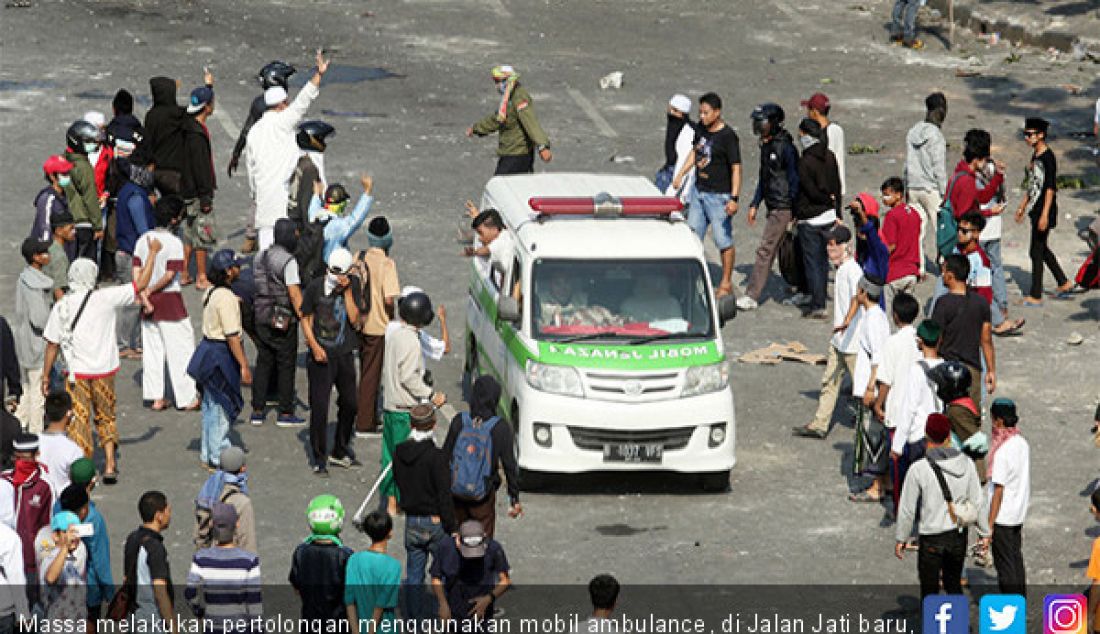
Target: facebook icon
{"x": 945, "y": 614}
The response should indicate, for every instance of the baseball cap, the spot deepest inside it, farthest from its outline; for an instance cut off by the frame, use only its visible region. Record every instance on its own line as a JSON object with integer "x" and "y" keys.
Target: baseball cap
{"x": 818, "y": 101}
{"x": 25, "y": 442}
{"x": 63, "y": 520}
{"x": 839, "y": 233}
{"x": 223, "y": 260}
{"x": 231, "y": 459}
{"x": 472, "y": 540}
{"x": 82, "y": 471}
{"x": 199, "y": 98}
{"x": 57, "y": 164}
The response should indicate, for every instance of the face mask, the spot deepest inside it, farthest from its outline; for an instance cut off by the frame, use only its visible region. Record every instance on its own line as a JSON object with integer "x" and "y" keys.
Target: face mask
{"x": 65, "y": 180}
{"x": 501, "y": 86}
{"x": 338, "y": 208}
{"x": 807, "y": 140}
{"x": 90, "y": 148}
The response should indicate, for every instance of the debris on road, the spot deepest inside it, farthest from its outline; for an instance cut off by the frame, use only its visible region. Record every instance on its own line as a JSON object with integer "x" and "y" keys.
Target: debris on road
{"x": 612, "y": 80}
{"x": 857, "y": 148}
{"x": 775, "y": 353}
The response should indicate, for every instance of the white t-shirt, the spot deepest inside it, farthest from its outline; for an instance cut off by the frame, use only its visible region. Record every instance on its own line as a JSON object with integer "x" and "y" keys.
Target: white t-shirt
{"x": 58, "y": 452}
{"x": 1012, "y": 470}
{"x": 993, "y": 224}
{"x": 1096, "y": 117}
{"x": 920, "y": 401}
{"x": 844, "y": 289}
{"x": 171, "y": 251}
{"x": 93, "y": 353}
{"x": 898, "y": 354}
{"x": 501, "y": 252}
{"x": 874, "y": 330}
{"x": 835, "y": 135}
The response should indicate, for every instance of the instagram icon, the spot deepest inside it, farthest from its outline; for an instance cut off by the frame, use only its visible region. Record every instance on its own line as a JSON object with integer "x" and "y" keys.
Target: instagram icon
{"x": 1064, "y": 614}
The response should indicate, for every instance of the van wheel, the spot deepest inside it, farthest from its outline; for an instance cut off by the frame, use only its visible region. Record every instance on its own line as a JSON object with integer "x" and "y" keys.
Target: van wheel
{"x": 716, "y": 482}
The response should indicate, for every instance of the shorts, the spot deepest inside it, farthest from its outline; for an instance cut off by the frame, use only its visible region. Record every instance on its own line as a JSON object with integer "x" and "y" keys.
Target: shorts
{"x": 198, "y": 229}
{"x": 709, "y": 208}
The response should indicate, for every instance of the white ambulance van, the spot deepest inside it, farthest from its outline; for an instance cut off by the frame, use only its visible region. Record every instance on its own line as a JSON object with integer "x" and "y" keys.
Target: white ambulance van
{"x": 602, "y": 329}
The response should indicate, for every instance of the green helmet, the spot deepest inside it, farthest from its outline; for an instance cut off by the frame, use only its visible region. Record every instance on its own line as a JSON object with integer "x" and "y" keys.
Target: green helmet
{"x": 325, "y": 514}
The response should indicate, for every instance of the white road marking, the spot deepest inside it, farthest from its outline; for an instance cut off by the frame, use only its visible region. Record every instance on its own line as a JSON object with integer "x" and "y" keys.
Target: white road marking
{"x": 498, "y": 7}
{"x": 230, "y": 128}
{"x": 601, "y": 124}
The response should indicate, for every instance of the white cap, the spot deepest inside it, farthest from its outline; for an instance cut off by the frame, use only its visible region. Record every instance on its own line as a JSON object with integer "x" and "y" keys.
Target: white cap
{"x": 409, "y": 290}
{"x": 340, "y": 260}
{"x": 681, "y": 103}
{"x": 274, "y": 95}
{"x": 96, "y": 118}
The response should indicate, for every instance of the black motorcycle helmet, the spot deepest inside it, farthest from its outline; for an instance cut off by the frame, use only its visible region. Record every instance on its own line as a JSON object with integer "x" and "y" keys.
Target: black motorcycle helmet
{"x": 336, "y": 194}
{"x": 313, "y": 135}
{"x": 767, "y": 118}
{"x": 79, "y": 133}
{"x": 276, "y": 73}
{"x": 416, "y": 309}
{"x": 952, "y": 380}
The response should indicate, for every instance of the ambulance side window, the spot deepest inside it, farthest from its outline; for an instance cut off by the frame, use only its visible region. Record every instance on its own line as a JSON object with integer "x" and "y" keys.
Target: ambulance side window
{"x": 517, "y": 281}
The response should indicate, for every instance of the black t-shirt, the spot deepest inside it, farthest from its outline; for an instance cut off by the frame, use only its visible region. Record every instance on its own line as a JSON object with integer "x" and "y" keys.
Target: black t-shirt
{"x": 317, "y": 572}
{"x": 331, "y": 327}
{"x": 156, "y": 558}
{"x": 1044, "y": 176}
{"x": 715, "y": 155}
{"x": 961, "y": 317}
{"x": 466, "y": 579}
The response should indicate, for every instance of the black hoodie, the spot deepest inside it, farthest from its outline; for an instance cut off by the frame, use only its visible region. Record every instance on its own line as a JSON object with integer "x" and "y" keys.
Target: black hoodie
{"x": 198, "y": 179}
{"x": 422, "y": 473}
{"x": 164, "y": 126}
{"x": 818, "y": 182}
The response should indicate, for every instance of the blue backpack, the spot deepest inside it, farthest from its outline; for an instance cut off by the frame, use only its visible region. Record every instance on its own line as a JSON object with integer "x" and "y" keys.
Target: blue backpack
{"x": 472, "y": 462}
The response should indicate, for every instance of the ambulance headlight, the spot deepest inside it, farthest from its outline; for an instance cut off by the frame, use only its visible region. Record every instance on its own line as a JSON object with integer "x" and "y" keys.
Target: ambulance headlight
{"x": 555, "y": 379}
{"x": 704, "y": 379}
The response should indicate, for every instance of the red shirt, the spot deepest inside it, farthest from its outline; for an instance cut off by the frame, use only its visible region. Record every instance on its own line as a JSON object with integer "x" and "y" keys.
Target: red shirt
{"x": 901, "y": 230}
{"x": 964, "y": 193}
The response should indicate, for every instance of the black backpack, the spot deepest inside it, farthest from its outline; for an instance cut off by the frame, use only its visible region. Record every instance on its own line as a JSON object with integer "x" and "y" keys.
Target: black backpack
{"x": 310, "y": 252}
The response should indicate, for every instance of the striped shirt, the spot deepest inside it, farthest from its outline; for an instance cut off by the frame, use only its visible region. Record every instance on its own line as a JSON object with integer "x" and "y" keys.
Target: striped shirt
{"x": 223, "y": 587}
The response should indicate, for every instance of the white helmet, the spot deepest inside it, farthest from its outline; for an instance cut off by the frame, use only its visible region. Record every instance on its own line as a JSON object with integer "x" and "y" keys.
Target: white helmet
{"x": 339, "y": 261}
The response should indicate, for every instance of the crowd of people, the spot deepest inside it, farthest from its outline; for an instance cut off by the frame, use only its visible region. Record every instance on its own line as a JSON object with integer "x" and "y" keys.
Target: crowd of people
{"x": 129, "y": 205}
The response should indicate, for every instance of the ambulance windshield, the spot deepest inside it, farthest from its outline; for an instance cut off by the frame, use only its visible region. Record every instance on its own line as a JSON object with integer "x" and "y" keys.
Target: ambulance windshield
{"x": 625, "y": 300}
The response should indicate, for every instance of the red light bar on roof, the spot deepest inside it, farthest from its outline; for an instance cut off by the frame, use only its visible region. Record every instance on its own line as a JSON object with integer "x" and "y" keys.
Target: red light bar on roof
{"x": 605, "y": 206}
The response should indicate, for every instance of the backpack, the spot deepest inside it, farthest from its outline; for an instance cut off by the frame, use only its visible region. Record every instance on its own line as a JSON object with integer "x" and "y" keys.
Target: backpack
{"x": 361, "y": 271}
{"x": 1088, "y": 276}
{"x": 472, "y": 461}
{"x": 947, "y": 228}
{"x": 789, "y": 255}
{"x": 310, "y": 252}
{"x": 204, "y": 521}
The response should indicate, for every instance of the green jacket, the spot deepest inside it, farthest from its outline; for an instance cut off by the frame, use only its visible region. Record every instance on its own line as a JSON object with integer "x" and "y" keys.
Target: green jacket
{"x": 81, "y": 193}
{"x": 520, "y": 133}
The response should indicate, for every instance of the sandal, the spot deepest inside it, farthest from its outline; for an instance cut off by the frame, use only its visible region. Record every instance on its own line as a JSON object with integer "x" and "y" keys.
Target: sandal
{"x": 110, "y": 478}
{"x": 863, "y": 497}
{"x": 193, "y": 407}
{"x": 723, "y": 290}
{"x": 159, "y": 405}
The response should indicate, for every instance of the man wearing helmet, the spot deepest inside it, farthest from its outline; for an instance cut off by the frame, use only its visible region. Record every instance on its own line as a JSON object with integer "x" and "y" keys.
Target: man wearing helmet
{"x": 330, "y": 311}
{"x": 403, "y": 385}
{"x": 319, "y": 564}
{"x": 312, "y": 140}
{"x": 82, "y": 139}
{"x": 339, "y": 223}
{"x": 520, "y": 132}
{"x": 777, "y": 186}
{"x": 276, "y": 73}
{"x": 273, "y": 151}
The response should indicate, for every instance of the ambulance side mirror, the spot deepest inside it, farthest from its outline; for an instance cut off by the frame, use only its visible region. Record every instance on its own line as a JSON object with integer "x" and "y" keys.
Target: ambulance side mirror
{"x": 727, "y": 309}
{"x": 508, "y": 309}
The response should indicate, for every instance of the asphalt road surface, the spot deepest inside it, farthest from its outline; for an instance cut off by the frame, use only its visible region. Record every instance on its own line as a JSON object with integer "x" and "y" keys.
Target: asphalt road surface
{"x": 409, "y": 76}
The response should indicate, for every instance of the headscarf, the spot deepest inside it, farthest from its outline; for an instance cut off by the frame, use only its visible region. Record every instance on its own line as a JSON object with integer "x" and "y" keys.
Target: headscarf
{"x": 486, "y": 395}
{"x": 509, "y": 76}
{"x": 211, "y": 490}
{"x": 82, "y": 275}
{"x": 1000, "y": 437}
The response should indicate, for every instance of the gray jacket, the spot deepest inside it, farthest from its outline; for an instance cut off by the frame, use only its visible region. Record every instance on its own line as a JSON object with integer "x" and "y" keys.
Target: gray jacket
{"x": 926, "y": 158}
{"x": 921, "y": 488}
{"x": 33, "y": 294}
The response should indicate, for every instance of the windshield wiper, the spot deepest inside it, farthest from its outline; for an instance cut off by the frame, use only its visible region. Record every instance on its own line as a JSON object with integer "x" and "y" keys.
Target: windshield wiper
{"x": 664, "y": 337}
{"x": 588, "y": 336}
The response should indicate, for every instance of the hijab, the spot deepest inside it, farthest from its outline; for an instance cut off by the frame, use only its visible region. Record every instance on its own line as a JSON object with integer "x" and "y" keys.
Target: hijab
{"x": 486, "y": 395}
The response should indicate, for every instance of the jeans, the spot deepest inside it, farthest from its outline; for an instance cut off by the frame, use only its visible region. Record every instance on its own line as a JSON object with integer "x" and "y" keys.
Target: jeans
{"x": 215, "y": 430}
{"x": 905, "y": 18}
{"x": 1040, "y": 255}
{"x": 815, "y": 263}
{"x": 941, "y": 556}
{"x": 275, "y": 351}
{"x": 422, "y": 538}
{"x": 992, "y": 248}
{"x": 338, "y": 372}
{"x": 709, "y": 208}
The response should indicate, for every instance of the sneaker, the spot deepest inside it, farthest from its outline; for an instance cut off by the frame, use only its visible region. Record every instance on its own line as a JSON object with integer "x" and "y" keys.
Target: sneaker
{"x": 290, "y": 420}
{"x": 798, "y": 299}
{"x": 257, "y": 419}
{"x": 374, "y": 433}
{"x": 346, "y": 462}
{"x": 820, "y": 314}
{"x": 805, "y": 431}
{"x": 746, "y": 303}
{"x": 320, "y": 471}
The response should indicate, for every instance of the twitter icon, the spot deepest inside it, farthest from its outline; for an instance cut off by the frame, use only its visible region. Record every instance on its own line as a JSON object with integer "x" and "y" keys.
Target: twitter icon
{"x": 1002, "y": 614}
